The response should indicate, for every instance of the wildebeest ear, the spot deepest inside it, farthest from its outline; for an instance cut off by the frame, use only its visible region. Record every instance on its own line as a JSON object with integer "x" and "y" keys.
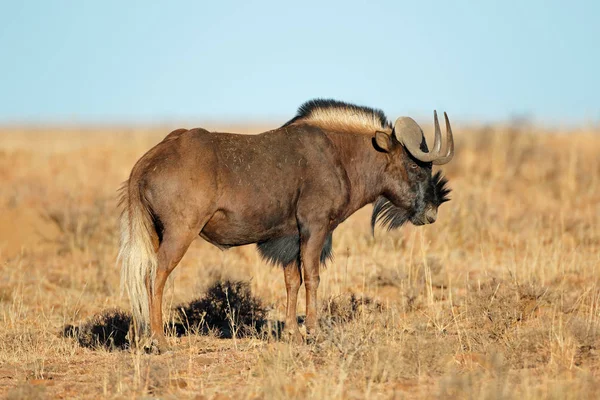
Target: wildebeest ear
{"x": 382, "y": 141}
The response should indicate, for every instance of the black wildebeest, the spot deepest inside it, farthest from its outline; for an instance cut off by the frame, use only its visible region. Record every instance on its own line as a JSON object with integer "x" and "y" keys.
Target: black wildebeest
{"x": 285, "y": 189}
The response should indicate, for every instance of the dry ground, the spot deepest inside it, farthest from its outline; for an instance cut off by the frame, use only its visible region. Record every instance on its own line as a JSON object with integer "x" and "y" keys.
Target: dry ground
{"x": 498, "y": 299}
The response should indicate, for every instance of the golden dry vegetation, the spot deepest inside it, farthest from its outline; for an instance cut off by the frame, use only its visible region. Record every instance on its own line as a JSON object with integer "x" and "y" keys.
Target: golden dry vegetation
{"x": 500, "y": 298}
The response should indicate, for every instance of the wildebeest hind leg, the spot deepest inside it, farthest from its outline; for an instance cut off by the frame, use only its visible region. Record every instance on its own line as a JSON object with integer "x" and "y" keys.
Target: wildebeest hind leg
{"x": 174, "y": 245}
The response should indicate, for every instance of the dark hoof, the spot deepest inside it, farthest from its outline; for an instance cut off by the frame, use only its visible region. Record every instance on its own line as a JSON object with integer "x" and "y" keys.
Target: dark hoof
{"x": 293, "y": 336}
{"x": 311, "y": 339}
{"x": 155, "y": 347}
{"x": 312, "y": 336}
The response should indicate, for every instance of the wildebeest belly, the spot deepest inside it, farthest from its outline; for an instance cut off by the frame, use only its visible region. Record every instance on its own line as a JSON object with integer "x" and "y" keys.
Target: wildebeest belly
{"x": 227, "y": 228}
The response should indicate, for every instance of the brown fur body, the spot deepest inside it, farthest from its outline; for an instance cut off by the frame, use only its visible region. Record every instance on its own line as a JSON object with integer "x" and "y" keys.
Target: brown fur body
{"x": 251, "y": 187}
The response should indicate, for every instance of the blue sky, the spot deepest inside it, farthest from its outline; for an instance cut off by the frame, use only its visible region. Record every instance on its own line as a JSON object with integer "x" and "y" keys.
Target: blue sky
{"x": 148, "y": 62}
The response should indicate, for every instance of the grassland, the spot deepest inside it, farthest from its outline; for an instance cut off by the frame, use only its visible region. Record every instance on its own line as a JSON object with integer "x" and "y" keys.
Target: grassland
{"x": 500, "y": 298}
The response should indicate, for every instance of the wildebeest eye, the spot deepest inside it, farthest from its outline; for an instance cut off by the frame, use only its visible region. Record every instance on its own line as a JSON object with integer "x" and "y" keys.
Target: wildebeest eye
{"x": 414, "y": 166}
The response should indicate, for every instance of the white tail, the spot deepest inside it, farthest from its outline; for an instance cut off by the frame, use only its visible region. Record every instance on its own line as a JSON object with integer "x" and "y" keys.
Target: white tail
{"x": 137, "y": 255}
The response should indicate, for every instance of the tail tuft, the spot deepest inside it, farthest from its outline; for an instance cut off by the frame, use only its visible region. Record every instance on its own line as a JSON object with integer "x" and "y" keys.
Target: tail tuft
{"x": 137, "y": 253}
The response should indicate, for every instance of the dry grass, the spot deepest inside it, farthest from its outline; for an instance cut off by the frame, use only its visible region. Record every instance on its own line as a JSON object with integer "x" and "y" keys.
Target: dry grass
{"x": 498, "y": 299}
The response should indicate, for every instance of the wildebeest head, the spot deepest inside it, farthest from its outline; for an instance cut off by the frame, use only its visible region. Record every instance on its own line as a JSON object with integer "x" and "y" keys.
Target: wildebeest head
{"x": 412, "y": 192}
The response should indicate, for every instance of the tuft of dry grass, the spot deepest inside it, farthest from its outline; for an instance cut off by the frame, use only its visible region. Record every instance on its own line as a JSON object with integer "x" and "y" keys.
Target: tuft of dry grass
{"x": 345, "y": 308}
{"x": 500, "y": 298}
{"x": 80, "y": 226}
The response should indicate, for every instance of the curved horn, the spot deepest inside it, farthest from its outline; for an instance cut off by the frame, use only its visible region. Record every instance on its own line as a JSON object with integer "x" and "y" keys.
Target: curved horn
{"x": 437, "y": 142}
{"x": 449, "y": 144}
{"x": 409, "y": 133}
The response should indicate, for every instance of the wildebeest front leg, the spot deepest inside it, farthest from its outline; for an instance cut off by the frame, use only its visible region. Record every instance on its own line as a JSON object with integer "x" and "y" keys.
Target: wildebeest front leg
{"x": 311, "y": 245}
{"x": 293, "y": 280}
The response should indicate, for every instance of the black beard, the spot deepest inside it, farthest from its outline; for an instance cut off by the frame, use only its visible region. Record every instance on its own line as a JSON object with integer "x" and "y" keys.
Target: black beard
{"x": 388, "y": 215}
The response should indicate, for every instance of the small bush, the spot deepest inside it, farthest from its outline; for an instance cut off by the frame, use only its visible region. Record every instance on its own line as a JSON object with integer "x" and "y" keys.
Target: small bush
{"x": 229, "y": 308}
{"x": 109, "y": 330}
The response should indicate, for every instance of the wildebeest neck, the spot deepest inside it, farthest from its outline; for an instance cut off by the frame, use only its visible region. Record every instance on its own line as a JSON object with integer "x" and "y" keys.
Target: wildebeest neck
{"x": 364, "y": 167}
